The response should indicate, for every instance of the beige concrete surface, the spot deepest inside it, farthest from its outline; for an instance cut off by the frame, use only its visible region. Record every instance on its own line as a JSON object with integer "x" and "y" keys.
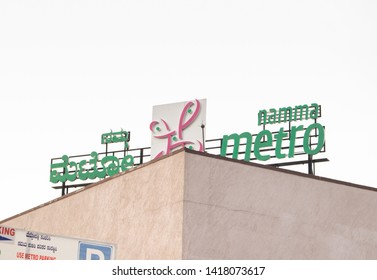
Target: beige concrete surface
{"x": 242, "y": 211}
{"x": 140, "y": 212}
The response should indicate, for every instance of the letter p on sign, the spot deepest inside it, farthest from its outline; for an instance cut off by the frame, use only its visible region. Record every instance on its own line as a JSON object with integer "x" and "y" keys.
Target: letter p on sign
{"x": 89, "y": 251}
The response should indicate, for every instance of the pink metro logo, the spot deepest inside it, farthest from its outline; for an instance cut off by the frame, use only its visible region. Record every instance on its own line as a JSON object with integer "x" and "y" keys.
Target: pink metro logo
{"x": 178, "y": 125}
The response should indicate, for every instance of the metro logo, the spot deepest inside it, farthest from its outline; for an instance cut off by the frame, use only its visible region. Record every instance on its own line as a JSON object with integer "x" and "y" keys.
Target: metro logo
{"x": 178, "y": 125}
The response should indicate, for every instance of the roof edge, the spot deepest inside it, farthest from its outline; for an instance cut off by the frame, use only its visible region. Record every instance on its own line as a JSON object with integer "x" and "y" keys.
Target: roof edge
{"x": 92, "y": 185}
{"x": 296, "y": 173}
{"x": 204, "y": 154}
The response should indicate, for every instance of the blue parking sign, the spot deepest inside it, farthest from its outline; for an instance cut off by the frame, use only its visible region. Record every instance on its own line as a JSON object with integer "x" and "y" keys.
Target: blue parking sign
{"x": 90, "y": 251}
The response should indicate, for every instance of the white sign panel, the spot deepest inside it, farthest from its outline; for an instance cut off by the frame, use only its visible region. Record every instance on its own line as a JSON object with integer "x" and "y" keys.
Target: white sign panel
{"x": 178, "y": 125}
{"x": 16, "y": 244}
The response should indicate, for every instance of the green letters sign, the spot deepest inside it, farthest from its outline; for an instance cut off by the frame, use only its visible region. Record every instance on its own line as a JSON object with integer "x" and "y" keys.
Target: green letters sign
{"x": 288, "y": 114}
{"x": 266, "y": 141}
{"x": 69, "y": 170}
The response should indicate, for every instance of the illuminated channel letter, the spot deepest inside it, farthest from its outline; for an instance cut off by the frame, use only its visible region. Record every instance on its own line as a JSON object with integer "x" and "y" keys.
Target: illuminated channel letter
{"x": 285, "y": 114}
{"x": 236, "y": 138}
{"x": 314, "y": 113}
{"x": 279, "y": 141}
{"x": 262, "y": 117}
{"x": 300, "y": 112}
{"x": 262, "y": 144}
{"x": 292, "y": 140}
{"x": 321, "y": 139}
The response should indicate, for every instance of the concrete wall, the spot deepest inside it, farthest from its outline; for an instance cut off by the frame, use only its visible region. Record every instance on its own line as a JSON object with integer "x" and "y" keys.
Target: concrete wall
{"x": 238, "y": 211}
{"x": 140, "y": 211}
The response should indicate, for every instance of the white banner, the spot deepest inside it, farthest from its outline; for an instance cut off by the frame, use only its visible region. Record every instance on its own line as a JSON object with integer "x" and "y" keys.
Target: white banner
{"x": 17, "y": 244}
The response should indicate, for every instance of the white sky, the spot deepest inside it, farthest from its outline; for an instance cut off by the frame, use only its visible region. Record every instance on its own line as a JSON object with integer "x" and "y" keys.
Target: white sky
{"x": 72, "y": 70}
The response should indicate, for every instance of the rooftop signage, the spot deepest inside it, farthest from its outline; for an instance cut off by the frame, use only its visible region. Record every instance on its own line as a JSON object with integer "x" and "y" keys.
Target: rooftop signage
{"x": 65, "y": 169}
{"x": 173, "y": 126}
{"x": 288, "y": 114}
{"x": 178, "y": 125}
{"x": 116, "y": 137}
{"x": 266, "y": 140}
{"x": 89, "y": 169}
{"x": 182, "y": 124}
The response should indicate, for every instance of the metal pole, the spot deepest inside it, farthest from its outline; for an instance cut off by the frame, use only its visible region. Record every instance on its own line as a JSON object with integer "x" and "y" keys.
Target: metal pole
{"x": 141, "y": 155}
{"x": 310, "y": 165}
{"x": 203, "y": 126}
{"x": 63, "y": 185}
{"x": 310, "y": 158}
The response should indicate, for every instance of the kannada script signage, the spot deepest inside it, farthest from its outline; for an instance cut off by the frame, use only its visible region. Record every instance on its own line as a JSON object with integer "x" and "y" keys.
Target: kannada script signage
{"x": 17, "y": 244}
{"x": 116, "y": 137}
{"x": 66, "y": 169}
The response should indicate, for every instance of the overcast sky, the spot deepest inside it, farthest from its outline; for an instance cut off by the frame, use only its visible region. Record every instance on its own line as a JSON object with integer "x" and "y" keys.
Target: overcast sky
{"x": 72, "y": 70}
